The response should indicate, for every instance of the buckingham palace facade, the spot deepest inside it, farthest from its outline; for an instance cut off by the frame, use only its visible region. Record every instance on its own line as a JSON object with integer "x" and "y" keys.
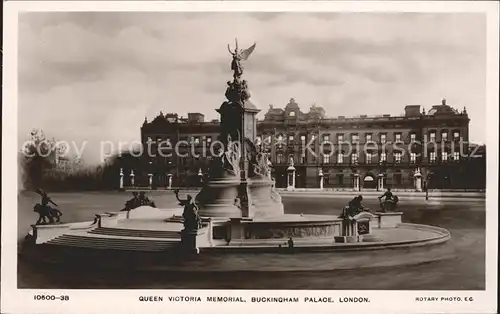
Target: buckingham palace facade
{"x": 370, "y": 148}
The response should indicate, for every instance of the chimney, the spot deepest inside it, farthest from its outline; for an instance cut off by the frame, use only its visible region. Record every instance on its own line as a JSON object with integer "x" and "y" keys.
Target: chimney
{"x": 412, "y": 110}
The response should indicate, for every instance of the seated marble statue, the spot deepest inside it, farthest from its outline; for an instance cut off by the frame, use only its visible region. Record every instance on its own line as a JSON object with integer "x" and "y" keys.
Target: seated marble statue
{"x": 138, "y": 200}
{"x": 353, "y": 208}
{"x": 390, "y": 202}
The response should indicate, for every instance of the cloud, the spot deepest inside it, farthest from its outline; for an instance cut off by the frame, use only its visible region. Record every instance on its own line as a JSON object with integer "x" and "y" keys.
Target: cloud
{"x": 95, "y": 75}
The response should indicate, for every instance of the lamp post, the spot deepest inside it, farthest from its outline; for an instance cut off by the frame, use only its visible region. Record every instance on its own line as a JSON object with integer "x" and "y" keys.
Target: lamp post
{"x": 427, "y": 180}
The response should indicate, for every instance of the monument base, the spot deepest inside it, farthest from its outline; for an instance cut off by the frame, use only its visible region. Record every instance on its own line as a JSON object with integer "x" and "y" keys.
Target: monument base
{"x": 389, "y": 219}
{"x": 219, "y": 198}
{"x": 265, "y": 201}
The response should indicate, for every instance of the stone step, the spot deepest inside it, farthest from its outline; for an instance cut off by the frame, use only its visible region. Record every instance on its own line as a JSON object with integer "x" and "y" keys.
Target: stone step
{"x": 136, "y": 233}
{"x": 112, "y": 244}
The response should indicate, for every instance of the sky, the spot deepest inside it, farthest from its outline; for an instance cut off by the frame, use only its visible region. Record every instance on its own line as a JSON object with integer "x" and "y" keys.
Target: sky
{"x": 94, "y": 76}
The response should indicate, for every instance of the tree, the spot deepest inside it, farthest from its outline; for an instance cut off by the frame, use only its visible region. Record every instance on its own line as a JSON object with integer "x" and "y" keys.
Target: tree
{"x": 37, "y": 155}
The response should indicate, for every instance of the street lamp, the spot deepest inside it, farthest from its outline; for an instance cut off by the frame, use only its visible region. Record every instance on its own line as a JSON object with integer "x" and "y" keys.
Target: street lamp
{"x": 427, "y": 179}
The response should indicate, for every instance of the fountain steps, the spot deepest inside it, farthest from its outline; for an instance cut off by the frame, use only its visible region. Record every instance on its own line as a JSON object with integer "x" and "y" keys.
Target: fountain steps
{"x": 138, "y": 233}
{"x": 109, "y": 243}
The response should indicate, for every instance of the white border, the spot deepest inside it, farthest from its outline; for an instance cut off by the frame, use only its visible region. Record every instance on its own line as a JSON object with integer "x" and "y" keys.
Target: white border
{"x": 126, "y": 301}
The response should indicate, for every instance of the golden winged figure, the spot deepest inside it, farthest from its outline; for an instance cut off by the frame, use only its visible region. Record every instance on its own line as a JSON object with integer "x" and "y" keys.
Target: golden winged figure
{"x": 239, "y": 55}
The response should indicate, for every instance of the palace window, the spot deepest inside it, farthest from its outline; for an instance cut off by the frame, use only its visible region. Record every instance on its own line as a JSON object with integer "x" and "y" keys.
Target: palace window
{"x": 383, "y": 138}
{"x": 303, "y": 139}
{"x": 290, "y": 139}
{"x": 292, "y": 113}
{"x": 368, "y": 137}
{"x": 413, "y": 158}
{"x": 340, "y": 157}
{"x": 456, "y": 136}
{"x": 397, "y": 157}
{"x": 303, "y": 157}
{"x": 340, "y": 138}
{"x": 326, "y": 138}
{"x": 279, "y": 158}
{"x": 444, "y": 136}
{"x": 413, "y": 137}
{"x": 195, "y": 139}
{"x": 326, "y": 158}
{"x": 368, "y": 158}
{"x": 355, "y": 138}
{"x": 432, "y": 156}
{"x": 397, "y": 137}
{"x": 456, "y": 156}
{"x": 444, "y": 156}
{"x": 432, "y": 136}
{"x": 354, "y": 158}
{"x": 383, "y": 157}
{"x": 280, "y": 140}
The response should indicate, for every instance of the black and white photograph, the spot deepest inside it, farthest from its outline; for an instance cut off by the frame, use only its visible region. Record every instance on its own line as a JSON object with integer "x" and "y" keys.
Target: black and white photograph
{"x": 218, "y": 155}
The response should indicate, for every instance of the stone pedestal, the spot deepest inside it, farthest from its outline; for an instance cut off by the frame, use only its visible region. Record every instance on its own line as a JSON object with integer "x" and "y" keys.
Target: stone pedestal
{"x": 417, "y": 177}
{"x": 169, "y": 181}
{"x": 389, "y": 220}
{"x": 321, "y": 179}
{"x": 356, "y": 182}
{"x": 264, "y": 202}
{"x": 355, "y": 228}
{"x": 219, "y": 198}
{"x": 291, "y": 176}
{"x": 132, "y": 178}
{"x": 200, "y": 175}
{"x": 380, "y": 182}
{"x": 189, "y": 243}
{"x": 121, "y": 179}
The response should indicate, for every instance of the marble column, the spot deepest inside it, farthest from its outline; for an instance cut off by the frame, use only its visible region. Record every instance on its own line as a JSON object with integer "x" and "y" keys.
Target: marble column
{"x": 150, "y": 175}
{"x": 321, "y": 179}
{"x": 132, "y": 178}
{"x": 121, "y": 178}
